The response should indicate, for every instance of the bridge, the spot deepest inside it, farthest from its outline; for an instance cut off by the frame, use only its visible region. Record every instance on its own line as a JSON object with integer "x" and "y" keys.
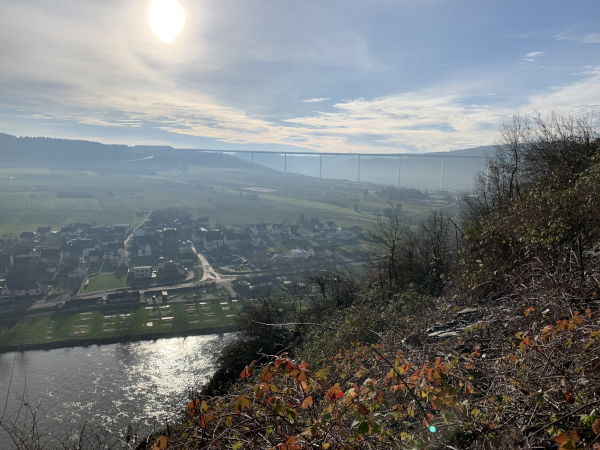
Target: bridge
{"x": 320, "y": 155}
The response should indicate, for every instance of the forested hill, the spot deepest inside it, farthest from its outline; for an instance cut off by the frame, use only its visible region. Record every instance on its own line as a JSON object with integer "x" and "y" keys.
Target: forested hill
{"x": 85, "y": 155}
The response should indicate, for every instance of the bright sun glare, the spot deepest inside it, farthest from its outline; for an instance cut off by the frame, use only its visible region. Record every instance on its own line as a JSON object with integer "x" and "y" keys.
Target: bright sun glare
{"x": 166, "y": 19}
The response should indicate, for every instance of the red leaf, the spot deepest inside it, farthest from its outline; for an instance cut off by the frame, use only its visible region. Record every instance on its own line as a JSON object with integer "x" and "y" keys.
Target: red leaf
{"x": 596, "y": 427}
{"x": 362, "y": 409}
{"x": 569, "y": 397}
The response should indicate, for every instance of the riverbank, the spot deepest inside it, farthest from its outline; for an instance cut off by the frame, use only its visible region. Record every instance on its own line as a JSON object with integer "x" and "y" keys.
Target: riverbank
{"x": 87, "y": 342}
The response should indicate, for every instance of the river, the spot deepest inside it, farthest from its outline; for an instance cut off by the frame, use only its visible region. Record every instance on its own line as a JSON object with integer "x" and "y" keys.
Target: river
{"x": 110, "y": 385}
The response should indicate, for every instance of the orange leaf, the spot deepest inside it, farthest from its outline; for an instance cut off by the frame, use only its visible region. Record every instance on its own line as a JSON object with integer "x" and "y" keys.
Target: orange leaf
{"x": 589, "y": 313}
{"x": 301, "y": 376}
{"x": 161, "y": 443}
{"x": 307, "y": 403}
{"x": 596, "y": 427}
{"x": 574, "y": 436}
{"x": 562, "y": 438}
{"x": 362, "y": 409}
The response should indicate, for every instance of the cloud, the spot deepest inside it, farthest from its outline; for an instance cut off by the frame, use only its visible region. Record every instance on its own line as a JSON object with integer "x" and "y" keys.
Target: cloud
{"x": 529, "y": 57}
{"x": 98, "y": 66}
{"x": 315, "y": 100}
{"x": 590, "y": 38}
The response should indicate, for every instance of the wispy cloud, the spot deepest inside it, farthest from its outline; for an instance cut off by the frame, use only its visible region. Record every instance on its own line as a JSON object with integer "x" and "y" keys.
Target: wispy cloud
{"x": 532, "y": 55}
{"x": 589, "y": 38}
{"x": 315, "y": 100}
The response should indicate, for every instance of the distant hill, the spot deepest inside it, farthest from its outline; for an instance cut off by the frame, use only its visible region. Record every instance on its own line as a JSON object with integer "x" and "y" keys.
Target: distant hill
{"x": 86, "y": 155}
{"x": 422, "y": 173}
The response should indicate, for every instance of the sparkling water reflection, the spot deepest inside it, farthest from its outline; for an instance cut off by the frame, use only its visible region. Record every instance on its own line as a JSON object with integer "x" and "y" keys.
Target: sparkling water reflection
{"x": 110, "y": 385}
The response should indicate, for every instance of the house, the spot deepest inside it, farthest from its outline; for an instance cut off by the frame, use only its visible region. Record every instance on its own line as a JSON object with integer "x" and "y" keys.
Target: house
{"x": 294, "y": 234}
{"x": 256, "y": 241}
{"x": 51, "y": 255}
{"x": 69, "y": 231}
{"x": 276, "y": 229}
{"x": 78, "y": 272}
{"x": 96, "y": 255}
{"x": 120, "y": 231}
{"x": 26, "y": 237}
{"x": 124, "y": 226}
{"x": 170, "y": 237}
{"x": 199, "y": 235}
{"x": 317, "y": 251}
{"x": 213, "y": 240}
{"x": 44, "y": 231}
{"x": 26, "y": 252}
{"x": 80, "y": 302}
{"x": 230, "y": 239}
{"x": 220, "y": 254}
{"x": 6, "y": 262}
{"x": 345, "y": 234}
{"x": 144, "y": 250}
{"x": 18, "y": 288}
{"x": 142, "y": 272}
{"x": 124, "y": 297}
{"x": 186, "y": 256}
{"x": 52, "y": 267}
{"x": 317, "y": 235}
{"x": 330, "y": 225}
{"x": 149, "y": 230}
{"x": 139, "y": 231}
{"x": 261, "y": 281}
{"x": 203, "y": 221}
{"x": 260, "y": 229}
{"x": 169, "y": 271}
{"x": 298, "y": 253}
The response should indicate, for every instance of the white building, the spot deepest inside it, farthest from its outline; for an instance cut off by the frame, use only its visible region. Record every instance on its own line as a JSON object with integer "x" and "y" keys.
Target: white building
{"x": 299, "y": 253}
{"x": 142, "y": 272}
{"x": 145, "y": 250}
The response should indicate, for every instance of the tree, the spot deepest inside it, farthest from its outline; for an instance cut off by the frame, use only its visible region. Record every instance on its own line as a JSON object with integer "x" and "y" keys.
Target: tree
{"x": 387, "y": 235}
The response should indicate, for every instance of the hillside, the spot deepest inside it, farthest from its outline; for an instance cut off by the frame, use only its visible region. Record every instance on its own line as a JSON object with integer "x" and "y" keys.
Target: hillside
{"x": 505, "y": 357}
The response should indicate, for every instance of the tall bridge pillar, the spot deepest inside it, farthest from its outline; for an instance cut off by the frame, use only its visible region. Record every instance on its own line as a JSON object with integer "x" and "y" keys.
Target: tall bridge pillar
{"x": 399, "y": 167}
{"x": 442, "y": 176}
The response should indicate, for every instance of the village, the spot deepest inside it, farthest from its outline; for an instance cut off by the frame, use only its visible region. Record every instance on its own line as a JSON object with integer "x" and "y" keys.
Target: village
{"x": 85, "y": 264}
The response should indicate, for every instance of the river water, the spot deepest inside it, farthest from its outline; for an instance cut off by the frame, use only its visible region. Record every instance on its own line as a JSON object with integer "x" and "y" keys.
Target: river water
{"x": 110, "y": 385}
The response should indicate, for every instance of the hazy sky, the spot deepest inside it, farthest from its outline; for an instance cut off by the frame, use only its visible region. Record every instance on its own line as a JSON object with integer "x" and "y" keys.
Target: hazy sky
{"x": 354, "y": 75}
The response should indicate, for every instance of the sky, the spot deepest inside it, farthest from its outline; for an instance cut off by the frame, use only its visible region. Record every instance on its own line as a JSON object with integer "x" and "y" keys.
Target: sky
{"x": 328, "y": 75}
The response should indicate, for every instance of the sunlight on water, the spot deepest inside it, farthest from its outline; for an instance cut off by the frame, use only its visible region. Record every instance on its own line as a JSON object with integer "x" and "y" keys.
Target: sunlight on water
{"x": 110, "y": 385}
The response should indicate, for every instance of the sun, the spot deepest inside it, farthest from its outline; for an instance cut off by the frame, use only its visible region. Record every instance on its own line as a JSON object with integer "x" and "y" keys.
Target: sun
{"x": 166, "y": 19}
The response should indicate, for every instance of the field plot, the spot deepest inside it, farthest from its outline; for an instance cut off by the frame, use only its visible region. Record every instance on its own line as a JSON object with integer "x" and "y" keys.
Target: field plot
{"x": 30, "y": 198}
{"x": 74, "y": 325}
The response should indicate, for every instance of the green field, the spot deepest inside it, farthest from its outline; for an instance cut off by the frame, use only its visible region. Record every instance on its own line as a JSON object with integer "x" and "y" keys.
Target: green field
{"x": 104, "y": 282}
{"x": 27, "y": 202}
{"x": 61, "y": 326}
